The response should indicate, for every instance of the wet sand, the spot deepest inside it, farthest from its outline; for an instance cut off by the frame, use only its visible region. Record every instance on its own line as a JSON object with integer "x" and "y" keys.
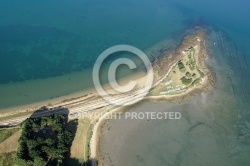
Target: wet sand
{"x": 211, "y": 130}
{"x": 204, "y": 135}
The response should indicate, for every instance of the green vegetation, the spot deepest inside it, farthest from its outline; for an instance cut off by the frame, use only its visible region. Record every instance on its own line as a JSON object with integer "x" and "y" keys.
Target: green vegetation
{"x": 188, "y": 74}
{"x": 186, "y": 77}
{"x": 192, "y": 49}
{"x": 196, "y": 82}
{"x": 201, "y": 73}
{"x": 191, "y": 62}
{"x": 186, "y": 81}
{"x": 181, "y": 67}
{"x": 194, "y": 75}
{"x": 7, "y": 159}
{"x": 6, "y": 133}
{"x": 44, "y": 141}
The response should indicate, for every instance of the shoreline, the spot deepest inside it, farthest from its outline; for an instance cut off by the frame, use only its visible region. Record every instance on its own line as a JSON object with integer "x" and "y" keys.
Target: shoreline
{"x": 78, "y": 94}
{"x": 205, "y": 86}
{"x": 161, "y": 67}
{"x": 68, "y": 101}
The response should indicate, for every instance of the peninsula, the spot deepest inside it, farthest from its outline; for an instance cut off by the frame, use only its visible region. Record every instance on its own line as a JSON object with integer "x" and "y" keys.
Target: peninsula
{"x": 178, "y": 73}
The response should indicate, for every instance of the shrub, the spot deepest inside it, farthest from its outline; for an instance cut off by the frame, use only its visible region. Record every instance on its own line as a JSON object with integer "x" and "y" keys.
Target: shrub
{"x": 181, "y": 67}
{"x": 186, "y": 81}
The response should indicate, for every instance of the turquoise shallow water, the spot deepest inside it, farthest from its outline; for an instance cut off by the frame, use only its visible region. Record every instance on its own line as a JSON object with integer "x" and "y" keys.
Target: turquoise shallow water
{"x": 45, "y": 39}
{"x": 42, "y": 40}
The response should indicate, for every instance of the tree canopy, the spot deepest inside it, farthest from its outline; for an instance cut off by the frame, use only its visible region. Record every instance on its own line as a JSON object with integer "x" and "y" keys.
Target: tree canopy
{"x": 44, "y": 141}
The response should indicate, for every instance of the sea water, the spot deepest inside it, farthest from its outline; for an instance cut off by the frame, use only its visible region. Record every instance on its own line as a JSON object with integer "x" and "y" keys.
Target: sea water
{"x": 215, "y": 126}
{"x": 44, "y": 44}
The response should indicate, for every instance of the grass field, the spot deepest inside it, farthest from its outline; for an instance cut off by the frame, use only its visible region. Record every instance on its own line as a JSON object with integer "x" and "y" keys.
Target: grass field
{"x": 78, "y": 152}
{"x": 183, "y": 76}
{"x": 7, "y": 159}
{"x": 8, "y": 145}
{"x": 11, "y": 143}
{"x": 79, "y": 147}
{"x": 6, "y": 133}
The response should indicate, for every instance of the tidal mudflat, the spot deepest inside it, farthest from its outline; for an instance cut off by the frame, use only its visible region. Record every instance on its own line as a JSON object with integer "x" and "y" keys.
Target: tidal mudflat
{"x": 213, "y": 129}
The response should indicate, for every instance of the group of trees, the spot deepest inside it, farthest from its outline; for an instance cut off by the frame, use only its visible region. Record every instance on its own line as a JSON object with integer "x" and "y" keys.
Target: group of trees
{"x": 191, "y": 63}
{"x": 186, "y": 81}
{"x": 44, "y": 141}
{"x": 181, "y": 67}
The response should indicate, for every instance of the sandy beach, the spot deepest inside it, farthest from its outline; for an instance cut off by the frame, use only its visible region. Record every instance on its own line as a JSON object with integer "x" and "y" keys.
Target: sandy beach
{"x": 70, "y": 101}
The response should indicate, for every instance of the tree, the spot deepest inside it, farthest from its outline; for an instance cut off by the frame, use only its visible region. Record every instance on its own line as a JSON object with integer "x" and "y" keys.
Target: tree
{"x": 49, "y": 142}
{"x": 186, "y": 81}
{"x": 39, "y": 161}
{"x": 181, "y": 67}
{"x": 37, "y": 147}
{"x": 188, "y": 74}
